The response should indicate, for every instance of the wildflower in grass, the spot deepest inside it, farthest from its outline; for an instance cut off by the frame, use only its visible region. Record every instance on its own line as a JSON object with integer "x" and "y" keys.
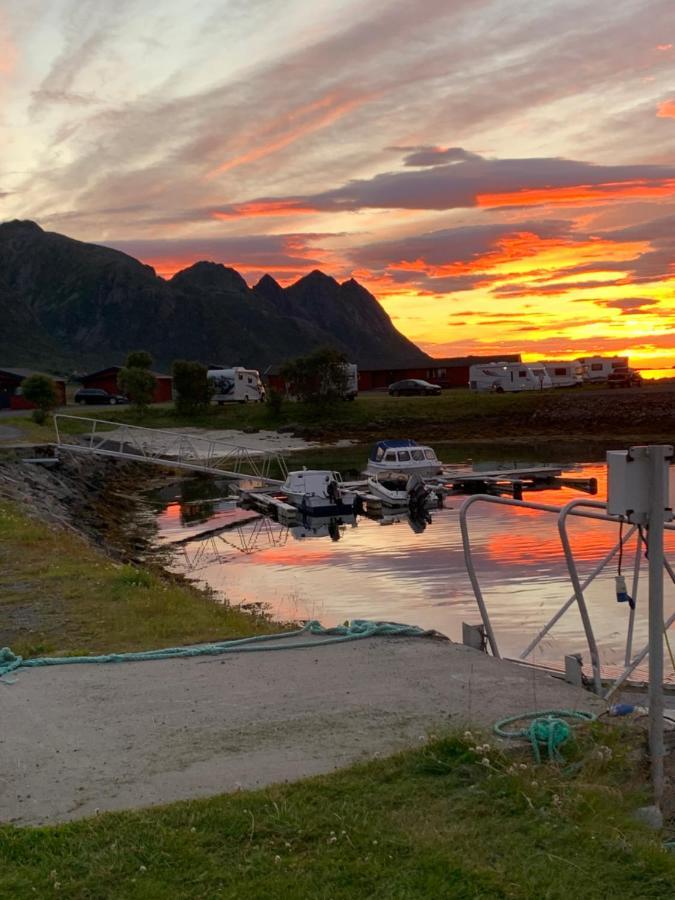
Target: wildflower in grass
{"x": 277, "y": 859}
{"x": 485, "y": 761}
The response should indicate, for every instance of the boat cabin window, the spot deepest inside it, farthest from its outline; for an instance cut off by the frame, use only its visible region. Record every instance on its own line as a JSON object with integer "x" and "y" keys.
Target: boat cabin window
{"x": 417, "y": 454}
{"x": 403, "y": 456}
{"x": 390, "y": 456}
{"x": 430, "y": 454}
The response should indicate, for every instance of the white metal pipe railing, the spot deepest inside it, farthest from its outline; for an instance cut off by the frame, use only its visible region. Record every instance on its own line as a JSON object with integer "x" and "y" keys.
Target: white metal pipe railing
{"x": 563, "y": 513}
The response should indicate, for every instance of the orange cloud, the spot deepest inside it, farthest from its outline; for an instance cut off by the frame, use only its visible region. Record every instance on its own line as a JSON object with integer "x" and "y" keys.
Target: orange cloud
{"x": 262, "y": 208}
{"x": 664, "y": 47}
{"x": 666, "y": 110}
{"x": 583, "y": 193}
{"x": 329, "y": 110}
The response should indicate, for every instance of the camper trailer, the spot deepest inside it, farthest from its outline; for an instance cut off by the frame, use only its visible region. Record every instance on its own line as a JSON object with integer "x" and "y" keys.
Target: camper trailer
{"x": 503, "y": 377}
{"x": 599, "y": 368}
{"x": 564, "y": 372}
{"x": 236, "y": 385}
{"x": 351, "y": 381}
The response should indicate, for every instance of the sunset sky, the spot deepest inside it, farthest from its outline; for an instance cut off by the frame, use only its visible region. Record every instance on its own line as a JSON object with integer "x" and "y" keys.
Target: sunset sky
{"x": 501, "y": 175}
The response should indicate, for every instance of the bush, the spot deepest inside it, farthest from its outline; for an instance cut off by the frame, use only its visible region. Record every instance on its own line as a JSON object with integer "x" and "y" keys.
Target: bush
{"x": 192, "y": 387}
{"x": 275, "y": 402}
{"x": 319, "y": 377}
{"x": 41, "y": 391}
{"x": 136, "y": 380}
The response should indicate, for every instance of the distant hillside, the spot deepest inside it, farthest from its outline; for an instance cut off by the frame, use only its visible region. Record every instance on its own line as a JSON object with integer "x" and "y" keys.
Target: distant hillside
{"x": 65, "y": 304}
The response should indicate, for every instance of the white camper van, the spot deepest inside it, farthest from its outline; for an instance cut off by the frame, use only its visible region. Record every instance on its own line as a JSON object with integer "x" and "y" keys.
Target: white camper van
{"x": 503, "y": 377}
{"x": 599, "y": 368}
{"x": 236, "y": 385}
{"x": 563, "y": 372}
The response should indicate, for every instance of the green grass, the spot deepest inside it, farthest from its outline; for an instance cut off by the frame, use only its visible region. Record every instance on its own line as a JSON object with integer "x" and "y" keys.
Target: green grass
{"x": 458, "y": 415}
{"x": 449, "y": 820}
{"x": 60, "y": 595}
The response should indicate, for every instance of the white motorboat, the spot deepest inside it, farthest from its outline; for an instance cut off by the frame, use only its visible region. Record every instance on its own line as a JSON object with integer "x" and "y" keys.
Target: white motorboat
{"x": 403, "y": 457}
{"x": 390, "y": 487}
{"x": 318, "y": 492}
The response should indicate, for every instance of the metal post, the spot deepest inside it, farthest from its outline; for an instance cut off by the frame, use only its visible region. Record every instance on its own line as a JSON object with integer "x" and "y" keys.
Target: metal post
{"x": 633, "y": 593}
{"x": 658, "y": 488}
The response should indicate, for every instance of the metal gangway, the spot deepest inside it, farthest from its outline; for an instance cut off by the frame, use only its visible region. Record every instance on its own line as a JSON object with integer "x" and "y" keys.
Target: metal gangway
{"x": 177, "y": 450}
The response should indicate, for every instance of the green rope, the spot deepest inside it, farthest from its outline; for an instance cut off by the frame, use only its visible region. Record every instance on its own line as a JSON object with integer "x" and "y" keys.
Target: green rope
{"x": 548, "y": 730}
{"x": 351, "y": 631}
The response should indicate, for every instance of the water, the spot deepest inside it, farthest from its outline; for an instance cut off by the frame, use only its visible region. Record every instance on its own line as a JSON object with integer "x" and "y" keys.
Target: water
{"x": 388, "y": 571}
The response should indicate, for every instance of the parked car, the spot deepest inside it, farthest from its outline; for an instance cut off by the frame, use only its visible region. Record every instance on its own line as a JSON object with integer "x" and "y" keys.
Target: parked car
{"x": 414, "y": 386}
{"x": 98, "y": 395}
{"x": 624, "y": 377}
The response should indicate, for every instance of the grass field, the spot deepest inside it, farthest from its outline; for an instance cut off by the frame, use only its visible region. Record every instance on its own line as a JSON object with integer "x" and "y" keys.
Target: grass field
{"x": 456, "y": 415}
{"x": 60, "y": 595}
{"x": 452, "y": 819}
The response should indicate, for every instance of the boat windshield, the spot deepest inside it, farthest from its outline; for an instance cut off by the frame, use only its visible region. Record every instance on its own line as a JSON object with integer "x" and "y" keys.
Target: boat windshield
{"x": 418, "y": 454}
{"x": 429, "y": 453}
{"x": 403, "y": 456}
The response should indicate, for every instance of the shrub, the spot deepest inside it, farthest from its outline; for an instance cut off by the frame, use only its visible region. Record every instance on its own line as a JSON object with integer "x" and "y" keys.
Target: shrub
{"x": 319, "y": 377}
{"x": 41, "y": 391}
{"x": 136, "y": 380}
{"x": 192, "y": 387}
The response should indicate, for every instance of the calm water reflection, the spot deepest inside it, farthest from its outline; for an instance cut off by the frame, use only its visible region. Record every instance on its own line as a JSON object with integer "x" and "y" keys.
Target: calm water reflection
{"x": 388, "y": 571}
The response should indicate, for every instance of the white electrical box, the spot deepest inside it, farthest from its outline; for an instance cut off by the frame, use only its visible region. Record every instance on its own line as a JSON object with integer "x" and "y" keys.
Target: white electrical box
{"x": 629, "y": 484}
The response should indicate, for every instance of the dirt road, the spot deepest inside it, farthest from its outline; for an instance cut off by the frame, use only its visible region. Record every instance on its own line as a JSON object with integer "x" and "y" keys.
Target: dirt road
{"x": 77, "y": 739}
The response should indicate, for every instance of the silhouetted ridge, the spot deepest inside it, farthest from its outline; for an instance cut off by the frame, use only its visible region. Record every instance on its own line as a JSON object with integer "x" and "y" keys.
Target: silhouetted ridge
{"x": 67, "y": 303}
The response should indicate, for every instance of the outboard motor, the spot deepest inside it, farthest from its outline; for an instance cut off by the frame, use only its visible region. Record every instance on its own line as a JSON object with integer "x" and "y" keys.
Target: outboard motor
{"x": 333, "y": 492}
{"x": 418, "y": 494}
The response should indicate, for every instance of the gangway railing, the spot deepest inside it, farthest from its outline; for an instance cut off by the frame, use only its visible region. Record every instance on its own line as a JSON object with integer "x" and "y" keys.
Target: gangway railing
{"x": 596, "y": 510}
{"x": 180, "y": 450}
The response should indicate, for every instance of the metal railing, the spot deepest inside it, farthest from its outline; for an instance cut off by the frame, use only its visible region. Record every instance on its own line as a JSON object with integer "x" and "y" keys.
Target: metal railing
{"x": 168, "y": 448}
{"x": 594, "y": 510}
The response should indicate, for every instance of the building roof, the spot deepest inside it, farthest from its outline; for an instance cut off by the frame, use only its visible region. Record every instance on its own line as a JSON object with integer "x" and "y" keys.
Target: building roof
{"x": 25, "y": 373}
{"x": 110, "y": 369}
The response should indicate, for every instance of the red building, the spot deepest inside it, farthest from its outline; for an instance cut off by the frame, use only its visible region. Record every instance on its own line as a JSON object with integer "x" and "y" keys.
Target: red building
{"x": 10, "y": 388}
{"x": 449, "y": 373}
{"x": 106, "y": 380}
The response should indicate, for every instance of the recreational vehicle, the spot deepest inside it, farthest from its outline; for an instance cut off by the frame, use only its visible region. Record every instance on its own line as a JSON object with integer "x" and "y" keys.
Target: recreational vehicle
{"x": 599, "y": 368}
{"x": 236, "y": 385}
{"x": 502, "y": 377}
{"x": 564, "y": 373}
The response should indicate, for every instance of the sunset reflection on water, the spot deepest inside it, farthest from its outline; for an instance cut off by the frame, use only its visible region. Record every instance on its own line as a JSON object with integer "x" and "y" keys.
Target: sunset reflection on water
{"x": 389, "y": 572}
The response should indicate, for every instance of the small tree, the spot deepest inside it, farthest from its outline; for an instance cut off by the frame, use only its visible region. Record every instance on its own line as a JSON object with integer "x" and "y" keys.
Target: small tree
{"x": 192, "y": 387}
{"x": 139, "y": 359}
{"x": 319, "y": 377}
{"x": 136, "y": 380}
{"x": 41, "y": 391}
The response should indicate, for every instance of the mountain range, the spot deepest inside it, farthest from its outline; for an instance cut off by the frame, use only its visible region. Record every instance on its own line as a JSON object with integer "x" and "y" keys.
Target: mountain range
{"x": 67, "y": 305}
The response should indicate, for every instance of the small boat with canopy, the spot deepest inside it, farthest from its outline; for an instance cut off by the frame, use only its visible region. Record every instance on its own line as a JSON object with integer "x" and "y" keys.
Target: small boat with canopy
{"x": 403, "y": 456}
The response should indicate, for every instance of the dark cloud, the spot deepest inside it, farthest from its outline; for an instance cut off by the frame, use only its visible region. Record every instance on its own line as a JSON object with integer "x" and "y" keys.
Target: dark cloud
{"x": 436, "y": 156}
{"x": 629, "y": 304}
{"x": 464, "y": 244}
{"x": 462, "y": 184}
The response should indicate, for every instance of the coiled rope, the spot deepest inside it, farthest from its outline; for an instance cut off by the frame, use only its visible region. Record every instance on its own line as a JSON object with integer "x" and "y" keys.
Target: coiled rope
{"x": 548, "y": 730}
{"x": 350, "y": 631}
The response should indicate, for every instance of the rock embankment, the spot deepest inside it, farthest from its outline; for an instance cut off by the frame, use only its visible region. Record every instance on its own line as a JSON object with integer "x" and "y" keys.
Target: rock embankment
{"x": 97, "y": 498}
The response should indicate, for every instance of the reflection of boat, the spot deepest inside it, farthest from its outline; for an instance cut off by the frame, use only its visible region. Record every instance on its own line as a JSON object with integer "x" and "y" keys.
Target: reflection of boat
{"x": 318, "y": 492}
{"x": 403, "y": 456}
{"x": 322, "y": 526}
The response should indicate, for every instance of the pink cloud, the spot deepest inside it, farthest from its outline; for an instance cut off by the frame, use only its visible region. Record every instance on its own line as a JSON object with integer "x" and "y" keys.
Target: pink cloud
{"x": 666, "y": 110}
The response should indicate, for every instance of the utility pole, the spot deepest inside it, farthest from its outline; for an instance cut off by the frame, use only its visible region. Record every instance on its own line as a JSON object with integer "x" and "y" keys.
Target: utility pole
{"x": 659, "y": 458}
